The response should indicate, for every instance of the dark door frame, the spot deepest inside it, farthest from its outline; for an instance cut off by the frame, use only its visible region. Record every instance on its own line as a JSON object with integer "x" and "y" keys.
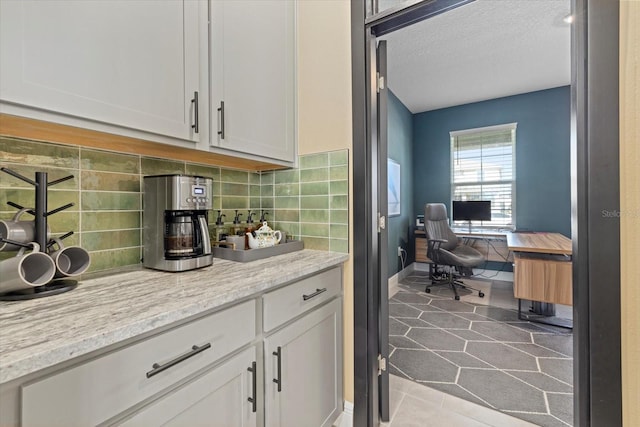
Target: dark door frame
{"x": 595, "y": 189}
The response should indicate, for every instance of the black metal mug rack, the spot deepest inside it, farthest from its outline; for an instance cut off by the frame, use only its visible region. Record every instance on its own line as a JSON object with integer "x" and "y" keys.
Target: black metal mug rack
{"x": 40, "y": 214}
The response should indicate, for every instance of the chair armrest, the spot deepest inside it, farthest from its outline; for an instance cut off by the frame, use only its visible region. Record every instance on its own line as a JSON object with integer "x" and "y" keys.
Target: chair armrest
{"x": 433, "y": 248}
{"x": 438, "y": 240}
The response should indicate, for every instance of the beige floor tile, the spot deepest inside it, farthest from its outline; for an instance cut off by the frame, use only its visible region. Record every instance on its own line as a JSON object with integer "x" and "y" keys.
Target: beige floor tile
{"x": 426, "y": 394}
{"x": 482, "y": 413}
{"x": 418, "y": 413}
{"x": 399, "y": 383}
{"x": 401, "y": 388}
{"x": 395, "y": 399}
{"x": 416, "y": 390}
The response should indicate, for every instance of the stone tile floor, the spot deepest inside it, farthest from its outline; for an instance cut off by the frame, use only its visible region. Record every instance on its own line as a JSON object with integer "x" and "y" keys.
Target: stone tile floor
{"x": 414, "y": 405}
{"x": 480, "y": 353}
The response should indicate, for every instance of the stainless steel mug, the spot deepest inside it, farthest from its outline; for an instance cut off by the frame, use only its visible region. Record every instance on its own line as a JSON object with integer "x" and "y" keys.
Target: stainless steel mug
{"x": 18, "y": 231}
{"x": 26, "y": 270}
{"x": 70, "y": 260}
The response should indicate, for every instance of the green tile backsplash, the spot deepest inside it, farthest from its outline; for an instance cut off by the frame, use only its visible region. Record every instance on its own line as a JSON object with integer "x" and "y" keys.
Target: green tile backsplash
{"x": 150, "y": 166}
{"x": 110, "y": 201}
{"x": 309, "y": 203}
{"x": 18, "y": 152}
{"x": 98, "y": 160}
{"x": 107, "y": 181}
{"x": 94, "y": 221}
{"x": 314, "y": 161}
{"x": 29, "y": 171}
{"x": 314, "y": 175}
{"x": 337, "y": 158}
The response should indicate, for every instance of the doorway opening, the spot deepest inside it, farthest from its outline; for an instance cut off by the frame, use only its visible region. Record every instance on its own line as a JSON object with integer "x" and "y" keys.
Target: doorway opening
{"x": 370, "y": 253}
{"x": 470, "y": 118}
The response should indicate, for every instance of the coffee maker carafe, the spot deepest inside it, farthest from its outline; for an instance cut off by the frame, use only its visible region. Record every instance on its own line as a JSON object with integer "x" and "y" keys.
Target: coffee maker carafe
{"x": 176, "y": 235}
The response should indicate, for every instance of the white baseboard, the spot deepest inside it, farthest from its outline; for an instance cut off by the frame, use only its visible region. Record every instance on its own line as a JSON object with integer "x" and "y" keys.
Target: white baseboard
{"x": 346, "y": 418}
{"x": 396, "y": 278}
{"x": 393, "y": 285}
{"x": 420, "y": 266}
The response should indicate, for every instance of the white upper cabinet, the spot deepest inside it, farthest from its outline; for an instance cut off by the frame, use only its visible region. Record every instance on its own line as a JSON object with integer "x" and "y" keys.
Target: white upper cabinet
{"x": 252, "y": 77}
{"x": 134, "y": 64}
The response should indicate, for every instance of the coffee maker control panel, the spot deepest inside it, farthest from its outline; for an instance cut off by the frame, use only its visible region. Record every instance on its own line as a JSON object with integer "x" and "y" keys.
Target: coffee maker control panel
{"x": 199, "y": 194}
{"x": 193, "y": 193}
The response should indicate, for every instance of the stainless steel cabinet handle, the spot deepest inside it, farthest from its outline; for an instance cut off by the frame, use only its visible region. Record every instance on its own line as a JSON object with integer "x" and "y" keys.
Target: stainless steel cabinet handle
{"x": 157, "y": 368}
{"x": 254, "y": 387}
{"x": 221, "y": 110}
{"x": 315, "y": 294}
{"x": 196, "y": 121}
{"x": 278, "y": 354}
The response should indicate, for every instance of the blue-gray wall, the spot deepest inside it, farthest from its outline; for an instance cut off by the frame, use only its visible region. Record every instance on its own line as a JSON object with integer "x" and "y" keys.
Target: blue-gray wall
{"x": 400, "y": 141}
{"x": 543, "y": 192}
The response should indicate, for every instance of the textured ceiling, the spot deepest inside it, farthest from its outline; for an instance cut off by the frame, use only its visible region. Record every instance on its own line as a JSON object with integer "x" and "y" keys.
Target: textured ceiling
{"x": 483, "y": 50}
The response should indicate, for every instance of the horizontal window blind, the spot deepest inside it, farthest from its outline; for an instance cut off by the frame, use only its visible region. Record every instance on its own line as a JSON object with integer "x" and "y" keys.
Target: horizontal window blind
{"x": 483, "y": 168}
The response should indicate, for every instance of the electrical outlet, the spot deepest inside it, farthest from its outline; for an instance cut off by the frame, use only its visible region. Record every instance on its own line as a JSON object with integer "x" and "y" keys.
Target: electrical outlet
{"x": 399, "y": 251}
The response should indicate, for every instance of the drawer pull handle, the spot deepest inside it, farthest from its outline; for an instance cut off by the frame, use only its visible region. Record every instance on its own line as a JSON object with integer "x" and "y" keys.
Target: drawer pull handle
{"x": 221, "y": 110}
{"x": 254, "y": 387}
{"x": 315, "y": 294}
{"x": 278, "y": 354}
{"x": 157, "y": 368}
{"x": 196, "y": 124}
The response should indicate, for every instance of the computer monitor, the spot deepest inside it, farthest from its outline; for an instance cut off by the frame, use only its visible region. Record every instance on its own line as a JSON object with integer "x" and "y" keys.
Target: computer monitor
{"x": 477, "y": 210}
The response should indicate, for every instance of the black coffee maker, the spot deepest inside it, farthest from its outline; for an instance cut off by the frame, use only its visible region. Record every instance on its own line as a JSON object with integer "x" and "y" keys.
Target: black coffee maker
{"x": 176, "y": 235}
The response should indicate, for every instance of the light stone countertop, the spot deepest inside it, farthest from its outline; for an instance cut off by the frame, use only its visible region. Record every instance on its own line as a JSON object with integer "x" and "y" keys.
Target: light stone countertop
{"x": 40, "y": 333}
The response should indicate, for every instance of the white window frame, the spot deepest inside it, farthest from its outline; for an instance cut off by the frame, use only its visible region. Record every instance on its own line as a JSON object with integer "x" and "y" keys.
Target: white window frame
{"x": 507, "y": 126}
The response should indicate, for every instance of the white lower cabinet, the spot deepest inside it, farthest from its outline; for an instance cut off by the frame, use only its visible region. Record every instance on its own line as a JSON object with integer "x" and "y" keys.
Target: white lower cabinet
{"x": 274, "y": 360}
{"x": 223, "y": 397}
{"x": 303, "y": 370}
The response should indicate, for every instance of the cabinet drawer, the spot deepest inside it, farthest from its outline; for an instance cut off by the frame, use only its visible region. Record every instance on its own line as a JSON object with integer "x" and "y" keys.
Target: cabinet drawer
{"x": 95, "y": 391}
{"x": 220, "y": 397}
{"x": 286, "y": 303}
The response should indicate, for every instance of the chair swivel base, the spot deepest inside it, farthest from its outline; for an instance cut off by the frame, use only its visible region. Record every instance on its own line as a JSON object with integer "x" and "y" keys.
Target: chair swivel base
{"x": 453, "y": 284}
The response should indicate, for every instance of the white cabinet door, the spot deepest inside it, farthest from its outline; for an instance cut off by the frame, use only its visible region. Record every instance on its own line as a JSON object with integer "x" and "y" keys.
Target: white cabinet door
{"x": 253, "y": 74}
{"x": 305, "y": 358}
{"x": 131, "y": 63}
{"x": 219, "y": 398}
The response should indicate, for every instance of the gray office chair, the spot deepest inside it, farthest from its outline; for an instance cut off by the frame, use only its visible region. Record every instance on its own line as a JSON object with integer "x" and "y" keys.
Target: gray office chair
{"x": 444, "y": 249}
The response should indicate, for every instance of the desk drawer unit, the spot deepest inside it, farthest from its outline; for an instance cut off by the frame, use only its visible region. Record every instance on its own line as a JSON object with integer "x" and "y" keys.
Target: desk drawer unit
{"x": 543, "y": 278}
{"x": 421, "y": 250}
{"x": 286, "y": 303}
{"x": 95, "y": 391}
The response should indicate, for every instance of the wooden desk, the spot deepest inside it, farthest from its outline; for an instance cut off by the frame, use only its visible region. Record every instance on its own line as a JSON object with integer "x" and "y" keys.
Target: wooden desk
{"x": 546, "y": 243}
{"x": 543, "y": 268}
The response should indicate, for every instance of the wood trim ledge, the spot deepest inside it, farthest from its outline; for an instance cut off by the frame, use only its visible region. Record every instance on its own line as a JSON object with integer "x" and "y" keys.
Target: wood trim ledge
{"x": 26, "y": 128}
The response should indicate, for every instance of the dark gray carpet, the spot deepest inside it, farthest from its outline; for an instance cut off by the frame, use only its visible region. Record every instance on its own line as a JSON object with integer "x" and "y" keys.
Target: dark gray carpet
{"x": 482, "y": 354}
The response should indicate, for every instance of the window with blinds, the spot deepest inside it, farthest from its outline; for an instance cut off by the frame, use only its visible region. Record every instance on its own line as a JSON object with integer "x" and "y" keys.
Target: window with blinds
{"x": 483, "y": 168}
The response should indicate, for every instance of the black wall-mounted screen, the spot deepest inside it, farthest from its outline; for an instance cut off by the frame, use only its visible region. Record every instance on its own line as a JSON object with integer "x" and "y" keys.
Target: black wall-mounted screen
{"x": 472, "y": 211}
